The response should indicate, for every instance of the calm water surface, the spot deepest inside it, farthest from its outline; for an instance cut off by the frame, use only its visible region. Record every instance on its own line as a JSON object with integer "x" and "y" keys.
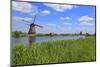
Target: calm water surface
{"x": 39, "y": 39}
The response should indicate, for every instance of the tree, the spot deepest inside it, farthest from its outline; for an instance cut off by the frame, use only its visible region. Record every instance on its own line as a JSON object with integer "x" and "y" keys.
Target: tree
{"x": 87, "y": 34}
{"x": 80, "y": 33}
{"x": 95, "y": 34}
{"x": 17, "y": 33}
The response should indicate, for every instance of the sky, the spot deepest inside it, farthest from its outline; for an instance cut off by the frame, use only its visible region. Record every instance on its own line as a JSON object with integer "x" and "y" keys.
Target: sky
{"x": 55, "y": 18}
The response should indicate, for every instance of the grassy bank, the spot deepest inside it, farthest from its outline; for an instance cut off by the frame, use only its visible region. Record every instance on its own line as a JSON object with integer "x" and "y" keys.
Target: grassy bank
{"x": 55, "y": 51}
{"x": 21, "y": 34}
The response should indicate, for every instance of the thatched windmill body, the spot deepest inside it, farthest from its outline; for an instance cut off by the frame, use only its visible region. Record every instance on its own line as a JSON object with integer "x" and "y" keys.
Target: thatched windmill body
{"x": 32, "y": 29}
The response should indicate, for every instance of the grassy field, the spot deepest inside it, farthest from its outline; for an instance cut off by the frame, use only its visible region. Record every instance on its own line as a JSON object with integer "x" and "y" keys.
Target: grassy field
{"x": 55, "y": 51}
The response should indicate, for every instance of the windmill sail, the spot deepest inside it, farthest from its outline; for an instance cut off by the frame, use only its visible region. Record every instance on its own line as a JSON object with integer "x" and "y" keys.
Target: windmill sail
{"x": 32, "y": 29}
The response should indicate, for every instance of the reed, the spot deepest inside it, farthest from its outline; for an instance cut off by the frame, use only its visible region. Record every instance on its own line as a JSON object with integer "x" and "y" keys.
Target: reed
{"x": 55, "y": 51}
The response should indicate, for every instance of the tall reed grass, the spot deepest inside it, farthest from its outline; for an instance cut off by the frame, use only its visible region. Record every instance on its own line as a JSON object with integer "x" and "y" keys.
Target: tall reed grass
{"x": 55, "y": 51}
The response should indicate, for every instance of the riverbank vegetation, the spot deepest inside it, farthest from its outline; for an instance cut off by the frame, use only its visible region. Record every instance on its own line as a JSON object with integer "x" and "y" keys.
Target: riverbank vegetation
{"x": 21, "y": 34}
{"x": 55, "y": 51}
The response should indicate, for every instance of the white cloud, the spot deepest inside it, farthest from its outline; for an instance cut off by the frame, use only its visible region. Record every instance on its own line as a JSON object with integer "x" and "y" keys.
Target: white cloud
{"x": 17, "y": 18}
{"x": 42, "y": 13}
{"x": 45, "y": 12}
{"x": 84, "y": 29}
{"x": 85, "y": 18}
{"x": 87, "y": 23}
{"x": 67, "y": 23}
{"x": 54, "y": 29}
{"x": 33, "y": 14}
{"x": 23, "y": 7}
{"x": 50, "y": 24}
{"x": 64, "y": 18}
{"x": 75, "y": 23}
{"x": 59, "y": 7}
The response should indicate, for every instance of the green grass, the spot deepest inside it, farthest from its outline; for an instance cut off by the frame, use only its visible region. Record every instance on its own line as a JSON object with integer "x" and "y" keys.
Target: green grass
{"x": 21, "y": 34}
{"x": 55, "y": 51}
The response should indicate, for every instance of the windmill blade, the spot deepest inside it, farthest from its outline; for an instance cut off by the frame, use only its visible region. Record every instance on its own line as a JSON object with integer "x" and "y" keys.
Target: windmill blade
{"x": 34, "y": 18}
{"x": 28, "y": 24}
{"x": 26, "y": 21}
{"x": 38, "y": 26}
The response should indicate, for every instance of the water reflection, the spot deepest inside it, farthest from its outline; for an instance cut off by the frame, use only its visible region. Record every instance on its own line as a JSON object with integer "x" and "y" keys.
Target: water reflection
{"x": 39, "y": 39}
{"x": 32, "y": 40}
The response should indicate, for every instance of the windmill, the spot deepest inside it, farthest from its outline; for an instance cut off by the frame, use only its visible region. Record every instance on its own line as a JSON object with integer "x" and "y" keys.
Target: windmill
{"x": 32, "y": 28}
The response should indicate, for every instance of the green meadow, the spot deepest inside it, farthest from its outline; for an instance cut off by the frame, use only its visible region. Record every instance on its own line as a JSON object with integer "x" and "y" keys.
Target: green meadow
{"x": 55, "y": 51}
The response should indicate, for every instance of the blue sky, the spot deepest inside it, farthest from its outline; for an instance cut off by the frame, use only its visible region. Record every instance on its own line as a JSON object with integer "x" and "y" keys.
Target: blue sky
{"x": 55, "y": 18}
